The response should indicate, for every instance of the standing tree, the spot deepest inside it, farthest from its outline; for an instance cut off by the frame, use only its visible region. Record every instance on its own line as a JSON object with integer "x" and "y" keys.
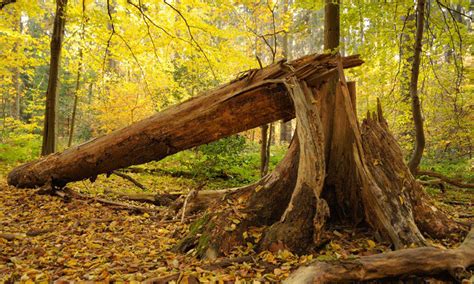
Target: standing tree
{"x": 50, "y": 119}
{"x": 285, "y": 126}
{"x": 78, "y": 77}
{"x": 414, "y": 95}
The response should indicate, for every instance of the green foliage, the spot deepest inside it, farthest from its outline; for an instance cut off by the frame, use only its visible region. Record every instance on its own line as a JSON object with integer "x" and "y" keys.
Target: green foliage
{"x": 462, "y": 168}
{"x": 20, "y": 142}
{"x": 218, "y": 159}
{"x": 233, "y": 161}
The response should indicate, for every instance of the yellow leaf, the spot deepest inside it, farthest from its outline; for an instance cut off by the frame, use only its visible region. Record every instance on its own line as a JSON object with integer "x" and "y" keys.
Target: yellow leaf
{"x": 401, "y": 199}
{"x": 71, "y": 263}
{"x": 335, "y": 246}
{"x": 371, "y": 243}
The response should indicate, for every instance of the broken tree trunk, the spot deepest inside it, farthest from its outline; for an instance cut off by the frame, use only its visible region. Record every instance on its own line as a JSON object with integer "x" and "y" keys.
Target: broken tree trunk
{"x": 333, "y": 165}
{"x": 227, "y": 110}
{"x": 288, "y": 205}
{"x": 405, "y": 262}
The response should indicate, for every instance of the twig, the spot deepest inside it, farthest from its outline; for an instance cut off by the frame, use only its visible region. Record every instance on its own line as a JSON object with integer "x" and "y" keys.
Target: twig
{"x": 71, "y": 193}
{"x": 455, "y": 202}
{"x": 454, "y": 11}
{"x": 129, "y": 178}
{"x": 192, "y": 194}
{"x": 192, "y": 38}
{"x": 228, "y": 262}
{"x": 147, "y": 25}
{"x": 466, "y": 215}
{"x": 112, "y": 33}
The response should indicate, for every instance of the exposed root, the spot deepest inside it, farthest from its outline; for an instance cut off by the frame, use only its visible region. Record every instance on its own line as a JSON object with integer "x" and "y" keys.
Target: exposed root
{"x": 455, "y": 182}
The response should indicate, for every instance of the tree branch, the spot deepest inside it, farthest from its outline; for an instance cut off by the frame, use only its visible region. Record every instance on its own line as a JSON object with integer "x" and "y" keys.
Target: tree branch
{"x": 192, "y": 38}
{"x": 5, "y": 3}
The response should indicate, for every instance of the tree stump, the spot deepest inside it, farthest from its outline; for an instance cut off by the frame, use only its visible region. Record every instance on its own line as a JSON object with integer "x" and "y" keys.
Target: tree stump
{"x": 361, "y": 173}
{"x": 335, "y": 170}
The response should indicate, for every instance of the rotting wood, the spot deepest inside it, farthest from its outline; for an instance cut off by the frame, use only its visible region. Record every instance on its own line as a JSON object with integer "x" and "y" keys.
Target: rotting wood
{"x": 393, "y": 204}
{"x": 381, "y": 213}
{"x": 289, "y": 204}
{"x": 224, "y": 111}
{"x": 411, "y": 261}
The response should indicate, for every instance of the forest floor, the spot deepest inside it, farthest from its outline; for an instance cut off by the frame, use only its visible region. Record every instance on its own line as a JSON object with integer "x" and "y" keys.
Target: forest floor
{"x": 82, "y": 239}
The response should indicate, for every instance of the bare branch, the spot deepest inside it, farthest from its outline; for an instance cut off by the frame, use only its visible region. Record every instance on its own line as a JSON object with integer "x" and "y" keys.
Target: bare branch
{"x": 113, "y": 32}
{"x": 400, "y": 51}
{"x": 192, "y": 38}
{"x": 453, "y": 11}
{"x": 5, "y": 3}
{"x": 274, "y": 50}
{"x": 110, "y": 36}
{"x": 457, "y": 65}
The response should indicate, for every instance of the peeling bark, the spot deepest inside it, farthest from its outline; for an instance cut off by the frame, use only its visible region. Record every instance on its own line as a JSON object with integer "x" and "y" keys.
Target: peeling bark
{"x": 224, "y": 111}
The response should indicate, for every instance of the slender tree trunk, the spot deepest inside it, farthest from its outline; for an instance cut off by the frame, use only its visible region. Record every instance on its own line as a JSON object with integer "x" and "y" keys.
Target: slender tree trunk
{"x": 15, "y": 110}
{"x": 16, "y": 104}
{"x": 285, "y": 126}
{"x": 50, "y": 120}
{"x": 78, "y": 79}
{"x": 415, "y": 99}
{"x": 331, "y": 24}
{"x": 263, "y": 150}
{"x": 76, "y": 98}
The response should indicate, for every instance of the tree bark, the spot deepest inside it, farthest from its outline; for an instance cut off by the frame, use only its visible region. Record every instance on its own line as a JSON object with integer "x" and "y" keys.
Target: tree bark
{"x": 415, "y": 99}
{"x": 331, "y": 24}
{"x": 227, "y": 110}
{"x": 50, "y": 120}
{"x": 289, "y": 205}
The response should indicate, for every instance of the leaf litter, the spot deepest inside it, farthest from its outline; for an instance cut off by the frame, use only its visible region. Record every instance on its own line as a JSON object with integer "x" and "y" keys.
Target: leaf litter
{"x": 69, "y": 240}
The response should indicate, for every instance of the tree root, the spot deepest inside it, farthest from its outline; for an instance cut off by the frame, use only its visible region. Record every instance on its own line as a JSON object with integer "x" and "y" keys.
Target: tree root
{"x": 445, "y": 179}
{"x": 412, "y": 261}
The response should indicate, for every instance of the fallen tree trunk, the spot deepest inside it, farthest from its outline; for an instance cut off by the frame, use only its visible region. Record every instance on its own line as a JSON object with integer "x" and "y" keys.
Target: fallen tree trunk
{"x": 405, "y": 262}
{"x": 333, "y": 165}
{"x": 250, "y": 101}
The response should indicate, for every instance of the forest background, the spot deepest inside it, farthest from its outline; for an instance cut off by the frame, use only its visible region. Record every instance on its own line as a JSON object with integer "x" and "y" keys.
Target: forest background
{"x": 123, "y": 61}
